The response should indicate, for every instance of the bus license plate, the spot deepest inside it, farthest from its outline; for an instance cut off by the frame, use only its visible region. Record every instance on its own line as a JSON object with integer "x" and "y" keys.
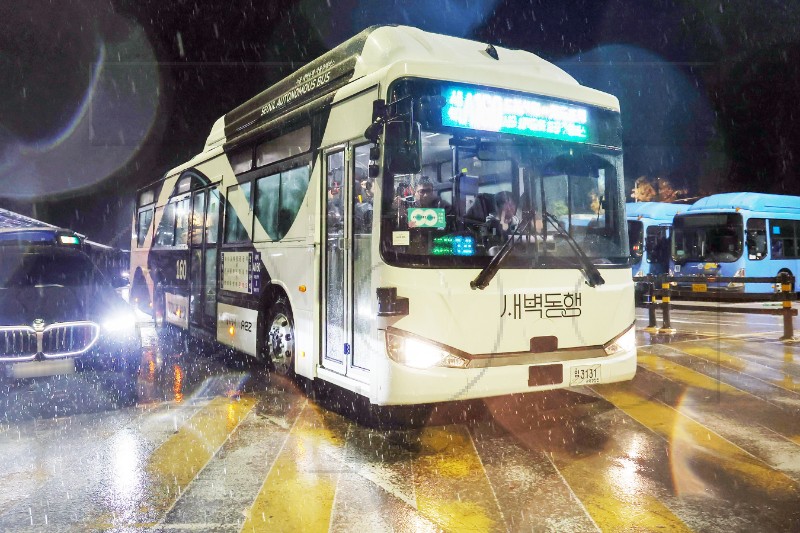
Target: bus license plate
{"x": 39, "y": 369}
{"x": 585, "y": 375}
{"x": 699, "y": 287}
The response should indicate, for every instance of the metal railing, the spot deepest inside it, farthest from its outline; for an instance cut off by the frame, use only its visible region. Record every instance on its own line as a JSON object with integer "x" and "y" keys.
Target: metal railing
{"x": 659, "y": 290}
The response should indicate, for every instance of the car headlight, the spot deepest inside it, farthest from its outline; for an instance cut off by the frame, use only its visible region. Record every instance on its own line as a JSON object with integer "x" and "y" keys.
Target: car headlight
{"x": 624, "y": 343}
{"x": 418, "y": 353}
{"x": 120, "y": 323}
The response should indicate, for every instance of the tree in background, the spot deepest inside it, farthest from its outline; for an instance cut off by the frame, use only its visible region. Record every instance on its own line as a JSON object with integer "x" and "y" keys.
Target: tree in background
{"x": 655, "y": 190}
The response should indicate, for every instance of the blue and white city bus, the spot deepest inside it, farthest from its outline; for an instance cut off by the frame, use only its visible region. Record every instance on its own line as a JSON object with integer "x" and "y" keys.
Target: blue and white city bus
{"x": 738, "y": 235}
{"x": 342, "y": 225}
{"x": 649, "y": 227}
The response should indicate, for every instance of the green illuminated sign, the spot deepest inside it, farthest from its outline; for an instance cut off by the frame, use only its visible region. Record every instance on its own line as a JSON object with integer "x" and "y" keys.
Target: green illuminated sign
{"x": 426, "y": 217}
{"x": 453, "y": 245}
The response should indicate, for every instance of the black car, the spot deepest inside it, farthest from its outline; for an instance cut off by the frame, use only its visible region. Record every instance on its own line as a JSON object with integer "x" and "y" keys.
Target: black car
{"x": 60, "y": 316}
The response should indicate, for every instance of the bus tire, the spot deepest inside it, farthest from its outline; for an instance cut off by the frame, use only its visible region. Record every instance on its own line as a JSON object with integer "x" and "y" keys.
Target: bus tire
{"x": 278, "y": 344}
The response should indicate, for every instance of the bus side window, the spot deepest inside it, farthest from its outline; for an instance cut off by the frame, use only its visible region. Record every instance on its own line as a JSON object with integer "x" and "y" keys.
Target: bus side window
{"x": 267, "y": 202}
{"x": 294, "y": 184}
{"x": 212, "y": 217}
{"x": 197, "y": 221}
{"x": 234, "y": 229}
{"x": 165, "y": 234}
{"x": 278, "y": 200}
{"x": 182, "y": 222}
{"x": 143, "y": 222}
{"x": 782, "y": 235}
{"x": 756, "y": 238}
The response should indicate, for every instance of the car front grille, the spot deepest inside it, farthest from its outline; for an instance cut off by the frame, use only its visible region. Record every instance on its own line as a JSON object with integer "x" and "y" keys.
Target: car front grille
{"x": 62, "y": 339}
{"x": 71, "y": 338}
{"x": 17, "y": 343}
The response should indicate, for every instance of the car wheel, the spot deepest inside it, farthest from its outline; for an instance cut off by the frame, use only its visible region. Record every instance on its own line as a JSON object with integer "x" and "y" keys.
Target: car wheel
{"x": 278, "y": 342}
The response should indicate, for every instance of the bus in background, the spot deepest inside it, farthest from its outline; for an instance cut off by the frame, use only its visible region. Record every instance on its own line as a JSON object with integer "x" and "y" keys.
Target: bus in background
{"x": 329, "y": 226}
{"x": 738, "y": 235}
{"x": 649, "y": 226}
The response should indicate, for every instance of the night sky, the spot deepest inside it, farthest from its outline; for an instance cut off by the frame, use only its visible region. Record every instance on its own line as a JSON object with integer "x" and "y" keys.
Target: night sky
{"x": 98, "y": 98}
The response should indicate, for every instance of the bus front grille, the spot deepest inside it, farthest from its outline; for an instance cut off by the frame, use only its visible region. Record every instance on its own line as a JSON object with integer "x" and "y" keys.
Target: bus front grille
{"x": 17, "y": 343}
{"x": 73, "y": 338}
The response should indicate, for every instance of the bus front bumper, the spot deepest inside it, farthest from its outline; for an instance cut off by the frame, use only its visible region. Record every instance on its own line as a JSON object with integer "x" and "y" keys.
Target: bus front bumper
{"x": 407, "y": 385}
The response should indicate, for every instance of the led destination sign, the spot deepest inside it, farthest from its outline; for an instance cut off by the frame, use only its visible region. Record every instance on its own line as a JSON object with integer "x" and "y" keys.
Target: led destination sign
{"x": 520, "y": 115}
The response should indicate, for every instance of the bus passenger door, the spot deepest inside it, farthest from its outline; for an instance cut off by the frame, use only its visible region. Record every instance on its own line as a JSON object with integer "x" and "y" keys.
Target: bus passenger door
{"x": 203, "y": 262}
{"x": 363, "y": 295}
{"x": 335, "y": 331}
{"x": 349, "y": 318}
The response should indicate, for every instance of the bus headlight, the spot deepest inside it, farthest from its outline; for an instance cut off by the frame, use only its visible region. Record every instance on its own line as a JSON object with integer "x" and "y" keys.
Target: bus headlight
{"x": 624, "y": 343}
{"x": 417, "y": 353}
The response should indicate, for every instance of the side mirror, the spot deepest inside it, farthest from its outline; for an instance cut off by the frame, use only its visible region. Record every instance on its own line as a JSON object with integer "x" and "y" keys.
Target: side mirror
{"x": 379, "y": 117}
{"x": 373, "y": 131}
{"x": 403, "y": 147}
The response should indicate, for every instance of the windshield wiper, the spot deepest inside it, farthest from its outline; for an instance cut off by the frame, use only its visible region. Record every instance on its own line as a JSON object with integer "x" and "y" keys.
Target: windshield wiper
{"x": 485, "y": 276}
{"x": 589, "y": 271}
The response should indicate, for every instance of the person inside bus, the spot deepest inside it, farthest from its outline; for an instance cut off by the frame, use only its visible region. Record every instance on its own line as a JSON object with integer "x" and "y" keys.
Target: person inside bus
{"x": 334, "y": 205}
{"x": 777, "y": 248}
{"x": 495, "y": 215}
{"x": 362, "y": 187}
{"x": 504, "y": 220}
{"x": 425, "y": 196}
{"x": 362, "y": 202}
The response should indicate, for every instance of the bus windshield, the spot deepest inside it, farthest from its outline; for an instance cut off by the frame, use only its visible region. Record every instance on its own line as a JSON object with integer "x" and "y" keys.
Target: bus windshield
{"x": 473, "y": 190}
{"x": 716, "y": 237}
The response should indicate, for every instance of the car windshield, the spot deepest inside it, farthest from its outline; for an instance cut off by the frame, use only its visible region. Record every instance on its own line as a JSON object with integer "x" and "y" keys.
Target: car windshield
{"x": 716, "y": 237}
{"x": 471, "y": 194}
{"x": 31, "y": 269}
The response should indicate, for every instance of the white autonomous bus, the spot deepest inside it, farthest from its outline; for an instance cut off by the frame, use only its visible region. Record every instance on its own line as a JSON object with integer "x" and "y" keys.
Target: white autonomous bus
{"x": 296, "y": 235}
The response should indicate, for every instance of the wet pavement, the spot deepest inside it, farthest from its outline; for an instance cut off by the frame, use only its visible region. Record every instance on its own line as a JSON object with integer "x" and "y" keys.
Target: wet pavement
{"x": 705, "y": 438}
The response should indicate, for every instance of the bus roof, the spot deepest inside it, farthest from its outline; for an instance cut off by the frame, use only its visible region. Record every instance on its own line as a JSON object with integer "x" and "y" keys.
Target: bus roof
{"x": 379, "y": 47}
{"x": 752, "y": 201}
{"x": 655, "y": 210}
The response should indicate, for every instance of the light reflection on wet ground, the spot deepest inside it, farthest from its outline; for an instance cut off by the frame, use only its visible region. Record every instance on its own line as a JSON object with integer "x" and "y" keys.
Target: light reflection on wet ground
{"x": 705, "y": 438}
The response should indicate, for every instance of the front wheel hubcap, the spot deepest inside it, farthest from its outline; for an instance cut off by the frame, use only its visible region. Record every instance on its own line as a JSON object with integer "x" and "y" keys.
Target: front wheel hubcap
{"x": 281, "y": 343}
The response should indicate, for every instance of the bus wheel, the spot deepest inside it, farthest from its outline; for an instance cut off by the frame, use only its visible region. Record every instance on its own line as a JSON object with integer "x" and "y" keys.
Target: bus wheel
{"x": 279, "y": 340}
